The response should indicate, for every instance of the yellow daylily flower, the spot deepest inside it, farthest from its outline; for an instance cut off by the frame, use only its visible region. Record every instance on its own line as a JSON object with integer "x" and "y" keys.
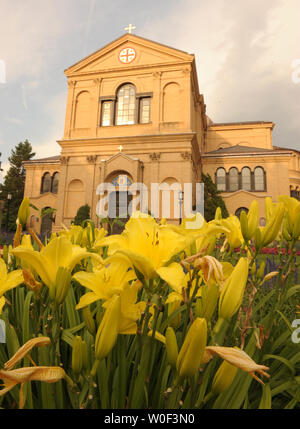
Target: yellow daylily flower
{"x": 148, "y": 246}
{"x": 200, "y": 236}
{"x": 292, "y": 221}
{"x": 271, "y": 230}
{"x": 59, "y": 253}
{"x": 130, "y": 309}
{"x": 9, "y": 281}
{"x": 233, "y": 234}
{"x": 105, "y": 282}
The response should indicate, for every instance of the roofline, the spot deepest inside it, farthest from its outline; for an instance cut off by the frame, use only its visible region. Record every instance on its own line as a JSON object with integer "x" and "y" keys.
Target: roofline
{"x": 39, "y": 161}
{"x": 245, "y": 154}
{"x": 278, "y": 148}
{"x": 119, "y": 38}
{"x": 228, "y": 124}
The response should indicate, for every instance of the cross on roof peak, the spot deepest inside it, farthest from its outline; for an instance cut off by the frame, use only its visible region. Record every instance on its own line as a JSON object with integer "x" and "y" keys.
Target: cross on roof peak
{"x": 130, "y": 28}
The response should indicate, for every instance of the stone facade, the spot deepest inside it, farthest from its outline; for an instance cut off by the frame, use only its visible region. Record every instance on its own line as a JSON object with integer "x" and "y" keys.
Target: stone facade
{"x": 134, "y": 109}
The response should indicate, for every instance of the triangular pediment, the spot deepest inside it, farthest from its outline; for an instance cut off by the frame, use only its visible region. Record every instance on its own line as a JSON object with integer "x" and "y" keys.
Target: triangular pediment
{"x": 146, "y": 53}
{"x": 120, "y": 155}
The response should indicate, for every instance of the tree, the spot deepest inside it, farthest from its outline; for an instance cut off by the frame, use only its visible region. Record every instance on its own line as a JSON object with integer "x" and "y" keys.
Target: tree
{"x": 14, "y": 181}
{"x": 212, "y": 198}
{"x": 83, "y": 213}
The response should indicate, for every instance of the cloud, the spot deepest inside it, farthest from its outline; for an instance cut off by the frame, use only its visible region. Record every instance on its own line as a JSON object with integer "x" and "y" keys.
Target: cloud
{"x": 244, "y": 52}
{"x": 12, "y": 120}
{"x": 55, "y": 111}
{"x": 31, "y": 30}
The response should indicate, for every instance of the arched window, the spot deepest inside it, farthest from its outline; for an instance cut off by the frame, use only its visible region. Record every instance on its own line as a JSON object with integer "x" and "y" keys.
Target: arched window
{"x": 126, "y": 105}
{"x": 233, "y": 179}
{"x": 46, "y": 183}
{"x": 259, "y": 179}
{"x": 221, "y": 179}
{"x": 246, "y": 179}
{"x": 55, "y": 181}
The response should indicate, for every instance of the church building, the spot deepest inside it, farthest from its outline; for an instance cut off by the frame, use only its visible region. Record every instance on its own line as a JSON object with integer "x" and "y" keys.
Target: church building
{"x": 134, "y": 114}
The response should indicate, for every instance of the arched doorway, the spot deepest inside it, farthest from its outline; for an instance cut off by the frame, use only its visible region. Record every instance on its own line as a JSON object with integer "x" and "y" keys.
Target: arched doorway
{"x": 46, "y": 225}
{"x": 239, "y": 211}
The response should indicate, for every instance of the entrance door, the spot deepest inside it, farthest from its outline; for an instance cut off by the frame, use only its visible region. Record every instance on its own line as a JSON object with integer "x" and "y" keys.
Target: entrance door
{"x": 46, "y": 227}
{"x": 119, "y": 211}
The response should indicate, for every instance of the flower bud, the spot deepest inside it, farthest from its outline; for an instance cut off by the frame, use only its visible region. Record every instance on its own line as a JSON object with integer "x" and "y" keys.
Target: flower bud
{"x": 261, "y": 270}
{"x": 244, "y": 225}
{"x": 207, "y": 302}
{"x": 258, "y": 238}
{"x": 108, "y": 330}
{"x": 233, "y": 290}
{"x": 89, "y": 320}
{"x": 272, "y": 228}
{"x": 223, "y": 377}
{"x": 24, "y": 211}
{"x": 296, "y": 228}
{"x": 85, "y": 356}
{"x": 253, "y": 218}
{"x": 171, "y": 347}
{"x": 286, "y": 233}
{"x": 192, "y": 350}
{"x": 173, "y": 306}
{"x": 218, "y": 214}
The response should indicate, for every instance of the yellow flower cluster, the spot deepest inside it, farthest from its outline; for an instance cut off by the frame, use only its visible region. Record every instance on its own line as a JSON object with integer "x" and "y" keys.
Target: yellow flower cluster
{"x": 155, "y": 280}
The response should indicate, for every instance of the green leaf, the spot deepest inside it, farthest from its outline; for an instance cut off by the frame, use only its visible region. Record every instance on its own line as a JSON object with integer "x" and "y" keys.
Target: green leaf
{"x": 266, "y": 398}
{"x": 282, "y": 360}
{"x": 292, "y": 291}
{"x": 25, "y": 323}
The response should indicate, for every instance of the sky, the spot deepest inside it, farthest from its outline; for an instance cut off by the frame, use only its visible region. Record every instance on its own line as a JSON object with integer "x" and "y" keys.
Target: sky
{"x": 247, "y": 58}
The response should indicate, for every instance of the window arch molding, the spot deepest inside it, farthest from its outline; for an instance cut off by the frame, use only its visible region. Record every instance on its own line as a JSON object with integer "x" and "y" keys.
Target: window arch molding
{"x": 233, "y": 179}
{"x": 46, "y": 182}
{"x": 246, "y": 179}
{"x": 221, "y": 179}
{"x": 126, "y": 107}
{"x": 55, "y": 182}
{"x": 259, "y": 179}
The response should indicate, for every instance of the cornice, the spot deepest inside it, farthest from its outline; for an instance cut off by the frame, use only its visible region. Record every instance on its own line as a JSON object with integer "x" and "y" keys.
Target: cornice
{"x": 127, "y": 139}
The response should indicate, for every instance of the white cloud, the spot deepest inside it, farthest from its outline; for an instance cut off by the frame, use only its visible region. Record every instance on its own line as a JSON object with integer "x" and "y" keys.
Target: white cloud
{"x": 243, "y": 56}
{"x": 28, "y": 31}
